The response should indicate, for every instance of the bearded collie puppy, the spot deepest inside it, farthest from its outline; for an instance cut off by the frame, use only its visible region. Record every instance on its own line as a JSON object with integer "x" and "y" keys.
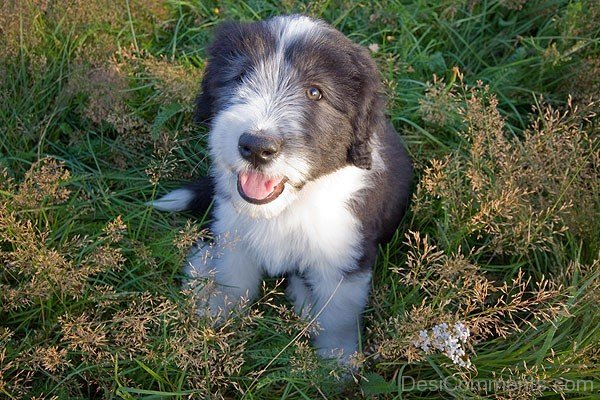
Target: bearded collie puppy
{"x": 308, "y": 176}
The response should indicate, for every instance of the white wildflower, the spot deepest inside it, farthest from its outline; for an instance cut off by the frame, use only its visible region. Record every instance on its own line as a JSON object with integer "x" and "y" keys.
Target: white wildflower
{"x": 461, "y": 331}
{"x": 423, "y": 341}
{"x": 446, "y": 339}
{"x": 374, "y": 47}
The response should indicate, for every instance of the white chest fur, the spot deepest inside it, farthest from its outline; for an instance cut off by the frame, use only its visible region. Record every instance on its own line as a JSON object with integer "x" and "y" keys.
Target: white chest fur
{"x": 317, "y": 231}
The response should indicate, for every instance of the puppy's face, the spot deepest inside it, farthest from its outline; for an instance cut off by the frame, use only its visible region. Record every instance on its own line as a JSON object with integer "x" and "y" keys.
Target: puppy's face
{"x": 288, "y": 99}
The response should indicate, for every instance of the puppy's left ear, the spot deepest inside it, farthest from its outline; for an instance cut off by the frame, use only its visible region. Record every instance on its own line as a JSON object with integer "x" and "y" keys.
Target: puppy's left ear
{"x": 369, "y": 116}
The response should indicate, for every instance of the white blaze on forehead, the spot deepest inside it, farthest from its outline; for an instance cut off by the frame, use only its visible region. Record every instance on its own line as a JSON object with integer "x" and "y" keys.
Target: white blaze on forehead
{"x": 289, "y": 28}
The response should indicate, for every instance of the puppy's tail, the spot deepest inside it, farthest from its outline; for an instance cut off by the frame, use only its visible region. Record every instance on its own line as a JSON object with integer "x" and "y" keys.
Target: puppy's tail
{"x": 195, "y": 197}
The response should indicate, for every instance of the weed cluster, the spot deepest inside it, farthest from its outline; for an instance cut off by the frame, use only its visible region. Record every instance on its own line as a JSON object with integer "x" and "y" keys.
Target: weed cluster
{"x": 81, "y": 325}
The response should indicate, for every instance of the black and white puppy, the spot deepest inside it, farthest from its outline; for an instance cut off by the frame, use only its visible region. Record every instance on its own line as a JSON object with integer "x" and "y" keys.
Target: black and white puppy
{"x": 308, "y": 176}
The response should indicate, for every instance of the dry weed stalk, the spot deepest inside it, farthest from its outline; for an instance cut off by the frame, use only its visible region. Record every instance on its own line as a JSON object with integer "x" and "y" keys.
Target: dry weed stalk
{"x": 44, "y": 184}
{"x": 34, "y": 268}
{"x": 496, "y": 198}
{"x": 515, "y": 196}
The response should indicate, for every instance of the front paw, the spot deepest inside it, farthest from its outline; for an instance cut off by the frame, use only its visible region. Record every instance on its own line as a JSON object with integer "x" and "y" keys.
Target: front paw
{"x": 345, "y": 352}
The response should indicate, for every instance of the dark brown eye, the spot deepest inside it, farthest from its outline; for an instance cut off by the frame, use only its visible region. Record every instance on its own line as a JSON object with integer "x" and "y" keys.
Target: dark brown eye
{"x": 313, "y": 93}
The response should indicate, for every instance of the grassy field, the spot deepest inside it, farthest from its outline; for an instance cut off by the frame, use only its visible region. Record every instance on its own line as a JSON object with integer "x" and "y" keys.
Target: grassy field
{"x": 497, "y": 102}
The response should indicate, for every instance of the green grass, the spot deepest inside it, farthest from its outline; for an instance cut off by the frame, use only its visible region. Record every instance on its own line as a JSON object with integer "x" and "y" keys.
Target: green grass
{"x": 507, "y": 197}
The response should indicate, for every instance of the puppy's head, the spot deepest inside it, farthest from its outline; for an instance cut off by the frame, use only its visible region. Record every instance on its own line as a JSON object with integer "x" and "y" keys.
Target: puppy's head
{"x": 288, "y": 99}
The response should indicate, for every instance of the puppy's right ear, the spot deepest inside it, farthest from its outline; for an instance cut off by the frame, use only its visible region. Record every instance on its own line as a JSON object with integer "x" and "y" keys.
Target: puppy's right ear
{"x": 218, "y": 53}
{"x": 205, "y": 101}
{"x": 204, "y": 109}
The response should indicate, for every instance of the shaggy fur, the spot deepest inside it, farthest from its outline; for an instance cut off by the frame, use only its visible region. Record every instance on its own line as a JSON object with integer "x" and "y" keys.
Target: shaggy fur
{"x": 307, "y": 175}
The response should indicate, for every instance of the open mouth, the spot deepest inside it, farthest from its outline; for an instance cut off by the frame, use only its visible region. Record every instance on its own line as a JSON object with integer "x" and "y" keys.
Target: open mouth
{"x": 257, "y": 188}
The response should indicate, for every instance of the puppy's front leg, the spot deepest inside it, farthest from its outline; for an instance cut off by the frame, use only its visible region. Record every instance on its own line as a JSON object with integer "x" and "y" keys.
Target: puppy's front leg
{"x": 339, "y": 300}
{"x": 221, "y": 275}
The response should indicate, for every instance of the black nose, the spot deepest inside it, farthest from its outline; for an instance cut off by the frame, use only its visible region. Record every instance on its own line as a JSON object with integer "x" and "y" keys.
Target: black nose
{"x": 259, "y": 149}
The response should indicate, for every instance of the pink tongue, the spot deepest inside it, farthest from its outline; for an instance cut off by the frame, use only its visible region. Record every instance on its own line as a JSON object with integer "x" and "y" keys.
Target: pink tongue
{"x": 256, "y": 185}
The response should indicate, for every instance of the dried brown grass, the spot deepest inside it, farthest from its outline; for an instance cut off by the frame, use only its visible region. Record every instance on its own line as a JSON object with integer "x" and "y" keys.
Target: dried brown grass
{"x": 496, "y": 203}
{"x": 115, "y": 327}
{"x": 21, "y": 22}
{"x": 516, "y": 195}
